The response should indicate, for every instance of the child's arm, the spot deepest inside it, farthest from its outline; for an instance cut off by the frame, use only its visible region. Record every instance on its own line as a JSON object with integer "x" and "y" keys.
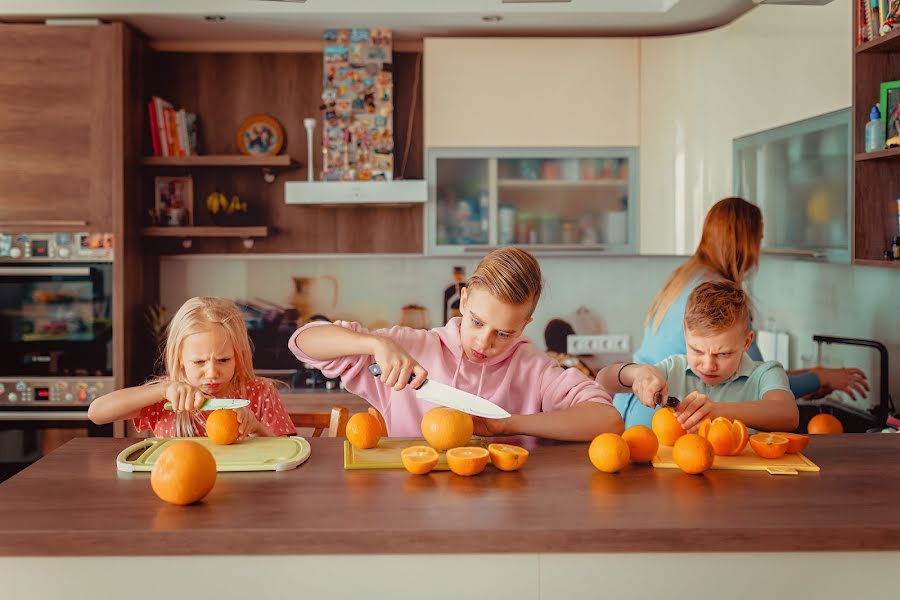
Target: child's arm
{"x": 775, "y": 411}
{"x": 128, "y": 402}
{"x": 580, "y": 423}
{"x": 645, "y": 381}
{"x": 328, "y": 342}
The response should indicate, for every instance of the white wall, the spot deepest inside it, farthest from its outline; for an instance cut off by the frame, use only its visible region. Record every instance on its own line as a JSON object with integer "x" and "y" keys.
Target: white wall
{"x": 774, "y": 65}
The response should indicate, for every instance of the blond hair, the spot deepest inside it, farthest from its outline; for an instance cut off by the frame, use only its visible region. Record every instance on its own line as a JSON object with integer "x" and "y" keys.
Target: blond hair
{"x": 716, "y": 306}
{"x": 199, "y": 315}
{"x": 729, "y": 249}
{"x": 511, "y": 275}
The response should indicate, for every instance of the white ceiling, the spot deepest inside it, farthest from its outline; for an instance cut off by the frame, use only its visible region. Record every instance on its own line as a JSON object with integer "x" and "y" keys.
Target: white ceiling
{"x": 280, "y": 20}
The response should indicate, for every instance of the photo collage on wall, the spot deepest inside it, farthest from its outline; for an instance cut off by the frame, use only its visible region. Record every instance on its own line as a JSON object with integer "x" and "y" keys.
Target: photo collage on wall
{"x": 358, "y": 99}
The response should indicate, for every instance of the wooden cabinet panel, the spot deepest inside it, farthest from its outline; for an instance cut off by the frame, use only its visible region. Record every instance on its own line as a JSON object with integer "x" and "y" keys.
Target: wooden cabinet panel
{"x": 57, "y": 127}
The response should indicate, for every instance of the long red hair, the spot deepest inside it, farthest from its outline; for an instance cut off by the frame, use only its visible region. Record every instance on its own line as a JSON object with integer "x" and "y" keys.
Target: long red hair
{"x": 728, "y": 249}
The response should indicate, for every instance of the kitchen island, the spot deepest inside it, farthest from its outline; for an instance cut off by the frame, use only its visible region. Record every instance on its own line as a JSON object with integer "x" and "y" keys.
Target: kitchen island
{"x": 556, "y": 529}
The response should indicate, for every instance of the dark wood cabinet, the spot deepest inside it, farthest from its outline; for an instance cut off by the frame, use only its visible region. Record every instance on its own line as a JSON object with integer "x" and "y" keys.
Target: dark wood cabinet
{"x": 60, "y": 146}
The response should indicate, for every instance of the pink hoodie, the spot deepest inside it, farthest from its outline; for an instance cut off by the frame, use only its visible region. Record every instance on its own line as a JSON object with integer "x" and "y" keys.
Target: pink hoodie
{"x": 523, "y": 380}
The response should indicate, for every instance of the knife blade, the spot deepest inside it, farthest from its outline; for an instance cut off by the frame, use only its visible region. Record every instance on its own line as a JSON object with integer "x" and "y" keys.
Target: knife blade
{"x": 445, "y": 395}
{"x": 217, "y": 403}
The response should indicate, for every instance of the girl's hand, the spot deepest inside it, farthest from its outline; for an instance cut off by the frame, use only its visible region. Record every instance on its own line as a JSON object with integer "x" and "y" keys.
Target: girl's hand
{"x": 489, "y": 426}
{"x": 693, "y": 409}
{"x": 184, "y": 397}
{"x": 247, "y": 423}
{"x": 397, "y": 366}
{"x": 649, "y": 383}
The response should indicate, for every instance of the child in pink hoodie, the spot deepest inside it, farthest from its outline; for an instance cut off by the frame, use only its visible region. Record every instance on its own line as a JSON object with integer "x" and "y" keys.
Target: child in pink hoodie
{"x": 483, "y": 352}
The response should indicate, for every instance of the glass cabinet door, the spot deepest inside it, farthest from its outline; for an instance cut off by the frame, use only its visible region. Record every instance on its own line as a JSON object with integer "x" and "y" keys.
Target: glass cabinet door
{"x": 546, "y": 200}
{"x": 799, "y": 176}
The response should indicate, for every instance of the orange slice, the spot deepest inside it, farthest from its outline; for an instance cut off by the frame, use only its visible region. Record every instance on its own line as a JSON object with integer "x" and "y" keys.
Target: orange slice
{"x": 467, "y": 460}
{"x": 419, "y": 460}
{"x": 769, "y": 445}
{"x": 507, "y": 457}
{"x": 728, "y": 438}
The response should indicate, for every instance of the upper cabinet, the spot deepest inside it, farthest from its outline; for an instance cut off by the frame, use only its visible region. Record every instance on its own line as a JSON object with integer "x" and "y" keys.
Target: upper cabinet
{"x": 531, "y": 92}
{"x": 547, "y": 200}
{"x": 799, "y": 175}
{"x": 60, "y": 152}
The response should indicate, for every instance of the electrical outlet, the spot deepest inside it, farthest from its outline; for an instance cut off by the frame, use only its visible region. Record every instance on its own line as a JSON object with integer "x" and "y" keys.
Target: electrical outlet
{"x": 598, "y": 344}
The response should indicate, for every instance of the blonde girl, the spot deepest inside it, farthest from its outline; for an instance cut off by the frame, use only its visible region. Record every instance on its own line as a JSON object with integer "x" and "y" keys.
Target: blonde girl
{"x": 207, "y": 355}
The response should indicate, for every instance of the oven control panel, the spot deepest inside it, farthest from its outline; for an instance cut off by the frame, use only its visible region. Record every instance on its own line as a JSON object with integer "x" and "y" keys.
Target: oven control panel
{"x": 56, "y": 247}
{"x": 52, "y": 391}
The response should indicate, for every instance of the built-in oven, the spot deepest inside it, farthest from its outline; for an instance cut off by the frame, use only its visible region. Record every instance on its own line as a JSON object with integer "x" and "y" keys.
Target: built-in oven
{"x": 55, "y": 340}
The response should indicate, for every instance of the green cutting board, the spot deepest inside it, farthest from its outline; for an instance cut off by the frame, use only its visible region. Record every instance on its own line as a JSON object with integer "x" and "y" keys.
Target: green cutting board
{"x": 252, "y": 454}
{"x": 386, "y": 455}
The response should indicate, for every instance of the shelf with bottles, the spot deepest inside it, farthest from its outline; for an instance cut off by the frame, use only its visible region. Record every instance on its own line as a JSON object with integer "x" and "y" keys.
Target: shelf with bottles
{"x": 552, "y": 200}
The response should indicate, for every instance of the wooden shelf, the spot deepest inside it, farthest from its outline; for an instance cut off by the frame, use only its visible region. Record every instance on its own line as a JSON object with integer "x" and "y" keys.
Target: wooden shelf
{"x": 210, "y": 232}
{"x": 877, "y": 155}
{"x": 562, "y": 183}
{"x": 219, "y": 160}
{"x": 886, "y": 43}
{"x": 890, "y": 264}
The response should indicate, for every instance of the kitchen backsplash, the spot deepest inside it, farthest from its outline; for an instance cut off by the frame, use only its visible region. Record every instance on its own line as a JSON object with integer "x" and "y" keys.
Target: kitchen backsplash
{"x": 800, "y": 298}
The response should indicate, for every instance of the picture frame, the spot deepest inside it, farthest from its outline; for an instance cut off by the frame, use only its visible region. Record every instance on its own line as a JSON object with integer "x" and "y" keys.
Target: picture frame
{"x": 889, "y": 104}
{"x": 173, "y": 200}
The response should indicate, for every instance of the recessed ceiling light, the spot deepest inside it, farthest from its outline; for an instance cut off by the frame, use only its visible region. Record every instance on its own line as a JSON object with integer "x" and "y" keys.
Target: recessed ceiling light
{"x": 492, "y": 18}
{"x": 214, "y": 18}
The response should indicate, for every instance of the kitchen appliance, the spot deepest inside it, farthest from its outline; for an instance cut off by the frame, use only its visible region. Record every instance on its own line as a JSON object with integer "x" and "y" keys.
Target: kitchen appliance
{"x": 445, "y": 395}
{"x": 853, "y": 419}
{"x": 55, "y": 340}
{"x": 252, "y": 454}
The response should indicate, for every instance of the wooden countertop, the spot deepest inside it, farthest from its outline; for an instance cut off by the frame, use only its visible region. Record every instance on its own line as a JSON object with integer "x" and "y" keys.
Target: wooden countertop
{"x": 74, "y": 502}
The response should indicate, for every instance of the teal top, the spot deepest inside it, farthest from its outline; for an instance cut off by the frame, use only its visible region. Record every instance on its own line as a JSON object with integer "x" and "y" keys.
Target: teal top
{"x": 750, "y": 382}
{"x": 668, "y": 340}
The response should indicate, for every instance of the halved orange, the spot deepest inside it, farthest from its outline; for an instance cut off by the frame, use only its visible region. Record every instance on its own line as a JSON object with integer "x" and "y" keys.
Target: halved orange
{"x": 796, "y": 442}
{"x": 769, "y": 445}
{"x": 467, "y": 460}
{"x": 419, "y": 460}
{"x": 728, "y": 438}
{"x": 507, "y": 457}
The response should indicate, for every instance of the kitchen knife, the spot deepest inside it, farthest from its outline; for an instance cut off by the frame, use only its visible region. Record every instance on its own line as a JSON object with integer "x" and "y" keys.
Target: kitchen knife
{"x": 217, "y": 403}
{"x": 445, "y": 395}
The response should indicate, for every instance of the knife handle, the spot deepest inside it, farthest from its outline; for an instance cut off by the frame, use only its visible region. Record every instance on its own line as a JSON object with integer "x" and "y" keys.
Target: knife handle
{"x": 375, "y": 369}
{"x": 670, "y": 401}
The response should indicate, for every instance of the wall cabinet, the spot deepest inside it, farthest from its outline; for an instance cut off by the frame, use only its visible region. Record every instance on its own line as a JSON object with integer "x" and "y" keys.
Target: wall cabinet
{"x": 799, "y": 175}
{"x": 547, "y": 200}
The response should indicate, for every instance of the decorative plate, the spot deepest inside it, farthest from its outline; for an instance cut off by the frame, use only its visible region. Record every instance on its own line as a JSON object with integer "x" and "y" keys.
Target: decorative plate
{"x": 260, "y": 135}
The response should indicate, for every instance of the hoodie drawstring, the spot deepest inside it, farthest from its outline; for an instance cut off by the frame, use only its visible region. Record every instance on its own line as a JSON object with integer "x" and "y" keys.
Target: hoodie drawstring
{"x": 480, "y": 380}
{"x": 480, "y": 377}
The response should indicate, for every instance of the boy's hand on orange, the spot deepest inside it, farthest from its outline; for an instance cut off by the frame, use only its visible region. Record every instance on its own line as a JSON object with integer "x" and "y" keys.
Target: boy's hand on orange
{"x": 693, "y": 409}
{"x": 247, "y": 422}
{"x": 648, "y": 382}
{"x": 184, "y": 397}
{"x": 397, "y": 366}
{"x": 490, "y": 426}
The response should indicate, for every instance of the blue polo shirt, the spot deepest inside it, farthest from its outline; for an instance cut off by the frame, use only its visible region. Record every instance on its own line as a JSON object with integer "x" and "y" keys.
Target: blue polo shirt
{"x": 751, "y": 381}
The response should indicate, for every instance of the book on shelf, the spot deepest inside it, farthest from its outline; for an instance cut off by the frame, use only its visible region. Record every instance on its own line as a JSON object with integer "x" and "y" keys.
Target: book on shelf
{"x": 172, "y": 132}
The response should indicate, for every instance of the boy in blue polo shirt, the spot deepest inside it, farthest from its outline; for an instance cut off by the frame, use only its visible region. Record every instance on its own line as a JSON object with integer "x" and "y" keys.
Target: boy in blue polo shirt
{"x": 715, "y": 378}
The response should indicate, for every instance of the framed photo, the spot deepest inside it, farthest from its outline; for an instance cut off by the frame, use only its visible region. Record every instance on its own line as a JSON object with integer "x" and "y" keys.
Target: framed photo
{"x": 174, "y": 200}
{"x": 890, "y": 110}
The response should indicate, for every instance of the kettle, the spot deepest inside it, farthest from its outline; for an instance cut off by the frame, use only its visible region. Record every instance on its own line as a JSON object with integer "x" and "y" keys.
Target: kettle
{"x": 314, "y": 295}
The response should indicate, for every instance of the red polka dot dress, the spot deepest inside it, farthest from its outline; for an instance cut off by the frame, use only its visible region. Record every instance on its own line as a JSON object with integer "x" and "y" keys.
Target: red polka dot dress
{"x": 264, "y": 402}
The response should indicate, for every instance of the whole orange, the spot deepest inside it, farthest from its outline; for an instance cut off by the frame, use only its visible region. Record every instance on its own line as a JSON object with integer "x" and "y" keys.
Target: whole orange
{"x": 467, "y": 460}
{"x": 363, "y": 430}
{"x": 642, "y": 443}
{"x": 823, "y": 423}
{"x": 768, "y": 445}
{"x": 693, "y": 454}
{"x": 185, "y": 472}
{"x": 666, "y": 426}
{"x": 507, "y": 457}
{"x": 609, "y": 452}
{"x": 222, "y": 426}
{"x": 444, "y": 428}
{"x": 374, "y": 412}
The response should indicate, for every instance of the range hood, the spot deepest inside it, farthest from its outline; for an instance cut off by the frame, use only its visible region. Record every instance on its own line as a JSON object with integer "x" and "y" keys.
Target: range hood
{"x": 404, "y": 191}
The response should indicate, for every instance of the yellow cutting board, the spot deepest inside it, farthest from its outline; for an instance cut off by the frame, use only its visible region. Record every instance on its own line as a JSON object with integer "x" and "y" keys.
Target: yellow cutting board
{"x": 386, "y": 455}
{"x": 252, "y": 454}
{"x": 789, "y": 464}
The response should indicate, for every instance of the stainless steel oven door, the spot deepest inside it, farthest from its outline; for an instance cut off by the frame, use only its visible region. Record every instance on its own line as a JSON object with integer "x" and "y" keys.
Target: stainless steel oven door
{"x": 55, "y": 320}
